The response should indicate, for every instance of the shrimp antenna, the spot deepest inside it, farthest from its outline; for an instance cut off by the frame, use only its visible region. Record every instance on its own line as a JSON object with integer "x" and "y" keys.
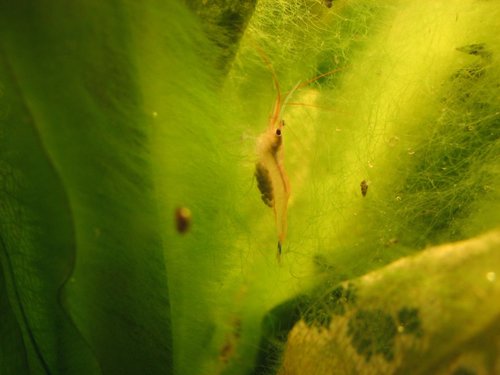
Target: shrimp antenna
{"x": 300, "y": 85}
{"x": 330, "y": 72}
{"x": 288, "y": 96}
{"x": 277, "y": 104}
{"x": 309, "y": 81}
{"x": 266, "y": 61}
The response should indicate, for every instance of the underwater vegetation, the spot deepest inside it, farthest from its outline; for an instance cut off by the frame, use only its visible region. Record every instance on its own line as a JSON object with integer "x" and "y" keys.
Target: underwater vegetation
{"x": 249, "y": 187}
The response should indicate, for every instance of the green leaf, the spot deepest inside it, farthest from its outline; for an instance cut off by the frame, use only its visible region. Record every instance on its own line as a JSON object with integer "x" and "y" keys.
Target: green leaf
{"x": 37, "y": 247}
{"x": 77, "y": 109}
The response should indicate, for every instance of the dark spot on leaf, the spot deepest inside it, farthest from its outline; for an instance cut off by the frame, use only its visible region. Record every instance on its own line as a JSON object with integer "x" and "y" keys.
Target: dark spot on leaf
{"x": 350, "y": 294}
{"x": 373, "y": 332}
{"x": 335, "y": 301}
{"x": 364, "y": 188}
{"x": 318, "y": 317}
{"x": 340, "y": 297}
{"x": 463, "y": 371}
{"x": 182, "y": 219}
{"x": 476, "y": 49}
{"x": 409, "y": 320}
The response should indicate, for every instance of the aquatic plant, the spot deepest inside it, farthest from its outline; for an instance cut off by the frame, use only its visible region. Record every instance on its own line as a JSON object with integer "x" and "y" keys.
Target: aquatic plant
{"x": 133, "y": 236}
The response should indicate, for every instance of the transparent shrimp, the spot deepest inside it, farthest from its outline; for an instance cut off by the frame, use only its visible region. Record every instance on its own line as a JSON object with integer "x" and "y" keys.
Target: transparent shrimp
{"x": 272, "y": 179}
{"x": 271, "y": 175}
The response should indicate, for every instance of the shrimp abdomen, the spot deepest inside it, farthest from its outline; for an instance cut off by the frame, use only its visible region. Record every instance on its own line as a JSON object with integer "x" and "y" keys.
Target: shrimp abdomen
{"x": 264, "y": 184}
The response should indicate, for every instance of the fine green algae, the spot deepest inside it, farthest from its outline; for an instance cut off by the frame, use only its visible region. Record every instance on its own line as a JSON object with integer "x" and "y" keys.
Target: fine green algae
{"x": 133, "y": 237}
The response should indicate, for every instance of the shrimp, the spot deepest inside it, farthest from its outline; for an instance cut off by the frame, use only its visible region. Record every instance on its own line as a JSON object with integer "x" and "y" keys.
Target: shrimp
{"x": 272, "y": 179}
{"x": 270, "y": 173}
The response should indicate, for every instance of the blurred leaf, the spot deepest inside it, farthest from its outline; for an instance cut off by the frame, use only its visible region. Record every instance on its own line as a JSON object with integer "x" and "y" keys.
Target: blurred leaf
{"x": 432, "y": 313}
{"x": 76, "y": 137}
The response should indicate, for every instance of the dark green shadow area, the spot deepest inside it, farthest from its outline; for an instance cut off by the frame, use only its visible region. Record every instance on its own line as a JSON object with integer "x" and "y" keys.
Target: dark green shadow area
{"x": 224, "y": 22}
{"x": 276, "y": 325}
{"x": 37, "y": 248}
{"x": 74, "y": 70}
{"x": 13, "y": 358}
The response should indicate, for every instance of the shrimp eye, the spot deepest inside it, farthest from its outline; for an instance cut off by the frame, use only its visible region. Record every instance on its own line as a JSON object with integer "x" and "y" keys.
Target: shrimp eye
{"x": 278, "y": 132}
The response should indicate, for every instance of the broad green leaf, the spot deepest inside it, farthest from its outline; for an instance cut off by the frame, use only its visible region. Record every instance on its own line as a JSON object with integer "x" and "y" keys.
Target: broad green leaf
{"x": 37, "y": 246}
{"x": 75, "y": 74}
